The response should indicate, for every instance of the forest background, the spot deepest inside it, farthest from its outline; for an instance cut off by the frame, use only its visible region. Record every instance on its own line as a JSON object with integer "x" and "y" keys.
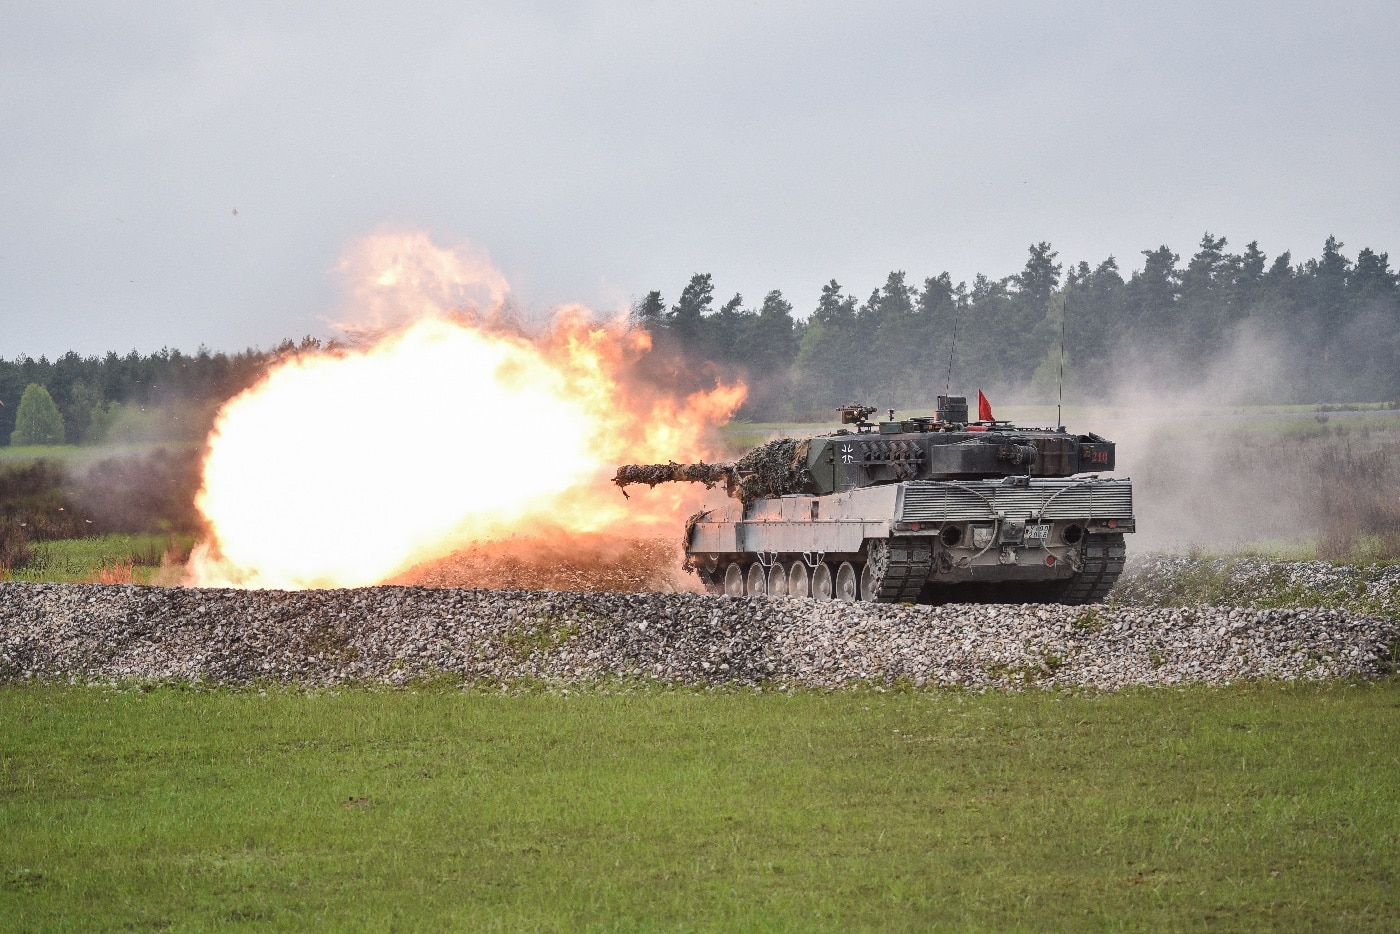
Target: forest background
{"x": 1323, "y": 330}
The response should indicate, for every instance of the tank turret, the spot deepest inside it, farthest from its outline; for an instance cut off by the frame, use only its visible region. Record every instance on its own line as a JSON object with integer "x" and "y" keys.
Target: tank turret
{"x": 925, "y": 508}
{"x": 916, "y": 448}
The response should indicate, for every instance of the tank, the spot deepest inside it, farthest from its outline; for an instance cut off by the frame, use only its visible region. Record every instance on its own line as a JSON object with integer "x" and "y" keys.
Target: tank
{"x": 926, "y": 509}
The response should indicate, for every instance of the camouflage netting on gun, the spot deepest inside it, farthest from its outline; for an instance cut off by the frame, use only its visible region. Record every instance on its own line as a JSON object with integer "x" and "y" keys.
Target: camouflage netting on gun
{"x": 652, "y": 474}
{"x": 775, "y": 469}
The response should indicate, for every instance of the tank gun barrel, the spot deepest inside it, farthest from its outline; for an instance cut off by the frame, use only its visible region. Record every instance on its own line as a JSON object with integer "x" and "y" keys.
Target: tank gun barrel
{"x": 652, "y": 474}
{"x": 773, "y": 469}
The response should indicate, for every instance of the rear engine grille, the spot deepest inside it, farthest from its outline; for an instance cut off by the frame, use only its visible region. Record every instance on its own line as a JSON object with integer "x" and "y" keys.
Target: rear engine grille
{"x": 974, "y": 500}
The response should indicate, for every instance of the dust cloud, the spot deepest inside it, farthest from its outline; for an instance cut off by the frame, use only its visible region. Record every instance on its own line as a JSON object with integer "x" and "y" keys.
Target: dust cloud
{"x": 565, "y": 561}
{"x": 1216, "y": 467}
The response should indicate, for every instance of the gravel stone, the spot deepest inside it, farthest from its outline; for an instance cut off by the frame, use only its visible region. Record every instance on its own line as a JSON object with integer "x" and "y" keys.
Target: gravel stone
{"x": 105, "y": 633}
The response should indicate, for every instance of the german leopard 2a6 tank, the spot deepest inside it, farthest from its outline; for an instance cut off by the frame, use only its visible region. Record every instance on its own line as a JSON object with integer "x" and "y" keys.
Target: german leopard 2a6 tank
{"x": 926, "y": 509}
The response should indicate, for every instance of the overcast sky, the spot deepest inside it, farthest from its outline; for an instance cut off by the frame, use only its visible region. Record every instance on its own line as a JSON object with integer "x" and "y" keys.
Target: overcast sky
{"x": 600, "y": 150}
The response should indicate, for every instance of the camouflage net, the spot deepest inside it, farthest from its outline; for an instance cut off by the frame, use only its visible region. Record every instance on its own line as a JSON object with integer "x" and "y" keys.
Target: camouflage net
{"x": 777, "y": 468}
{"x": 688, "y": 535}
{"x": 652, "y": 474}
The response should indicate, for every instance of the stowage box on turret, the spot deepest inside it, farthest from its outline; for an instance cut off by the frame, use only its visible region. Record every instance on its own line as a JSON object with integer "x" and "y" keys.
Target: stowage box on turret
{"x": 926, "y": 509}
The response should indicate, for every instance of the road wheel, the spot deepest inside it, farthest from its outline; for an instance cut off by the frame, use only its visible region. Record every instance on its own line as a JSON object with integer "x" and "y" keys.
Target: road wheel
{"x": 846, "y": 582}
{"x": 757, "y": 584}
{"x": 777, "y": 580}
{"x": 821, "y": 583}
{"x": 798, "y": 581}
{"x": 734, "y": 580}
{"x": 869, "y": 582}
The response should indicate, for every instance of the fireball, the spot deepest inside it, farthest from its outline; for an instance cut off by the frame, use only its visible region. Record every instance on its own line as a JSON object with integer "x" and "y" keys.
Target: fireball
{"x": 345, "y": 467}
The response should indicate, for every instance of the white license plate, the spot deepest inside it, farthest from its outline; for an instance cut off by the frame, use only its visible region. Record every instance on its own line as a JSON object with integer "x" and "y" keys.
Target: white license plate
{"x": 1041, "y": 532}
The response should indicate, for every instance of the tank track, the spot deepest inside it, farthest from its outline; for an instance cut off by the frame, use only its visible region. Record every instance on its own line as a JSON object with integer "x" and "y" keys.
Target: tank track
{"x": 1101, "y": 563}
{"x": 903, "y": 567}
{"x": 708, "y": 581}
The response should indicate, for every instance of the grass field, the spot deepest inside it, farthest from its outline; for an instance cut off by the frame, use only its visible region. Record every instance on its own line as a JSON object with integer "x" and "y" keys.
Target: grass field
{"x": 36, "y": 452}
{"x": 1332, "y": 424}
{"x": 1254, "y": 807}
{"x": 84, "y": 454}
{"x": 1249, "y": 419}
{"x": 115, "y": 559}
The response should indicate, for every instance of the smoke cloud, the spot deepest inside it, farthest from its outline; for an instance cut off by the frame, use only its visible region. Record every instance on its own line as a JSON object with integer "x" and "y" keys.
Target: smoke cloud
{"x": 1216, "y": 467}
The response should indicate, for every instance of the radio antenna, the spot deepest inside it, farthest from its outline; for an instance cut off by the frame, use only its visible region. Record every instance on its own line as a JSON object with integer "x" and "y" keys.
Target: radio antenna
{"x": 948, "y": 387}
{"x": 1060, "y": 403}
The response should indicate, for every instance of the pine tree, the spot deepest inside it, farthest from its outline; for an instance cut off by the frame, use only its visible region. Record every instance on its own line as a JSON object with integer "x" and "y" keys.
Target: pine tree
{"x": 771, "y": 344}
{"x": 687, "y": 318}
{"x": 650, "y": 311}
{"x": 1038, "y": 281}
{"x": 826, "y": 369}
{"x": 727, "y": 328}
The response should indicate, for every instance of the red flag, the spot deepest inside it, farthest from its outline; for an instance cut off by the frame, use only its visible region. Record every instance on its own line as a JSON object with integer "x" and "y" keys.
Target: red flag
{"x": 984, "y": 408}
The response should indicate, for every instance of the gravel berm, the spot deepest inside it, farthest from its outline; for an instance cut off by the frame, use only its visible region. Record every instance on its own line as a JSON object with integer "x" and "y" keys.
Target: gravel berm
{"x": 97, "y": 633}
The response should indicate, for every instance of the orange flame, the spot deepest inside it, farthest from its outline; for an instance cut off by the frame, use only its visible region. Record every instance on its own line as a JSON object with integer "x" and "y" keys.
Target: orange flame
{"x": 344, "y": 468}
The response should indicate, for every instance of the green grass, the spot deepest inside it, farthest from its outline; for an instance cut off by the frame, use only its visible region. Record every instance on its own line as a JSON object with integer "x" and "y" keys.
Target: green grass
{"x": 1336, "y": 428}
{"x": 1260, "y": 807}
{"x": 35, "y": 452}
{"x": 1275, "y": 549}
{"x": 1368, "y": 550}
{"x": 1294, "y": 420}
{"x": 83, "y": 454}
{"x": 1044, "y": 413}
{"x": 74, "y": 560}
{"x": 740, "y": 437}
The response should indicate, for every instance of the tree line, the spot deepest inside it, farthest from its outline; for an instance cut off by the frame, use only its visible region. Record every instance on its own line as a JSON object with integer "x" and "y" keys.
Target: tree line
{"x": 166, "y": 395}
{"x": 1323, "y": 330}
{"x": 1326, "y": 329}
